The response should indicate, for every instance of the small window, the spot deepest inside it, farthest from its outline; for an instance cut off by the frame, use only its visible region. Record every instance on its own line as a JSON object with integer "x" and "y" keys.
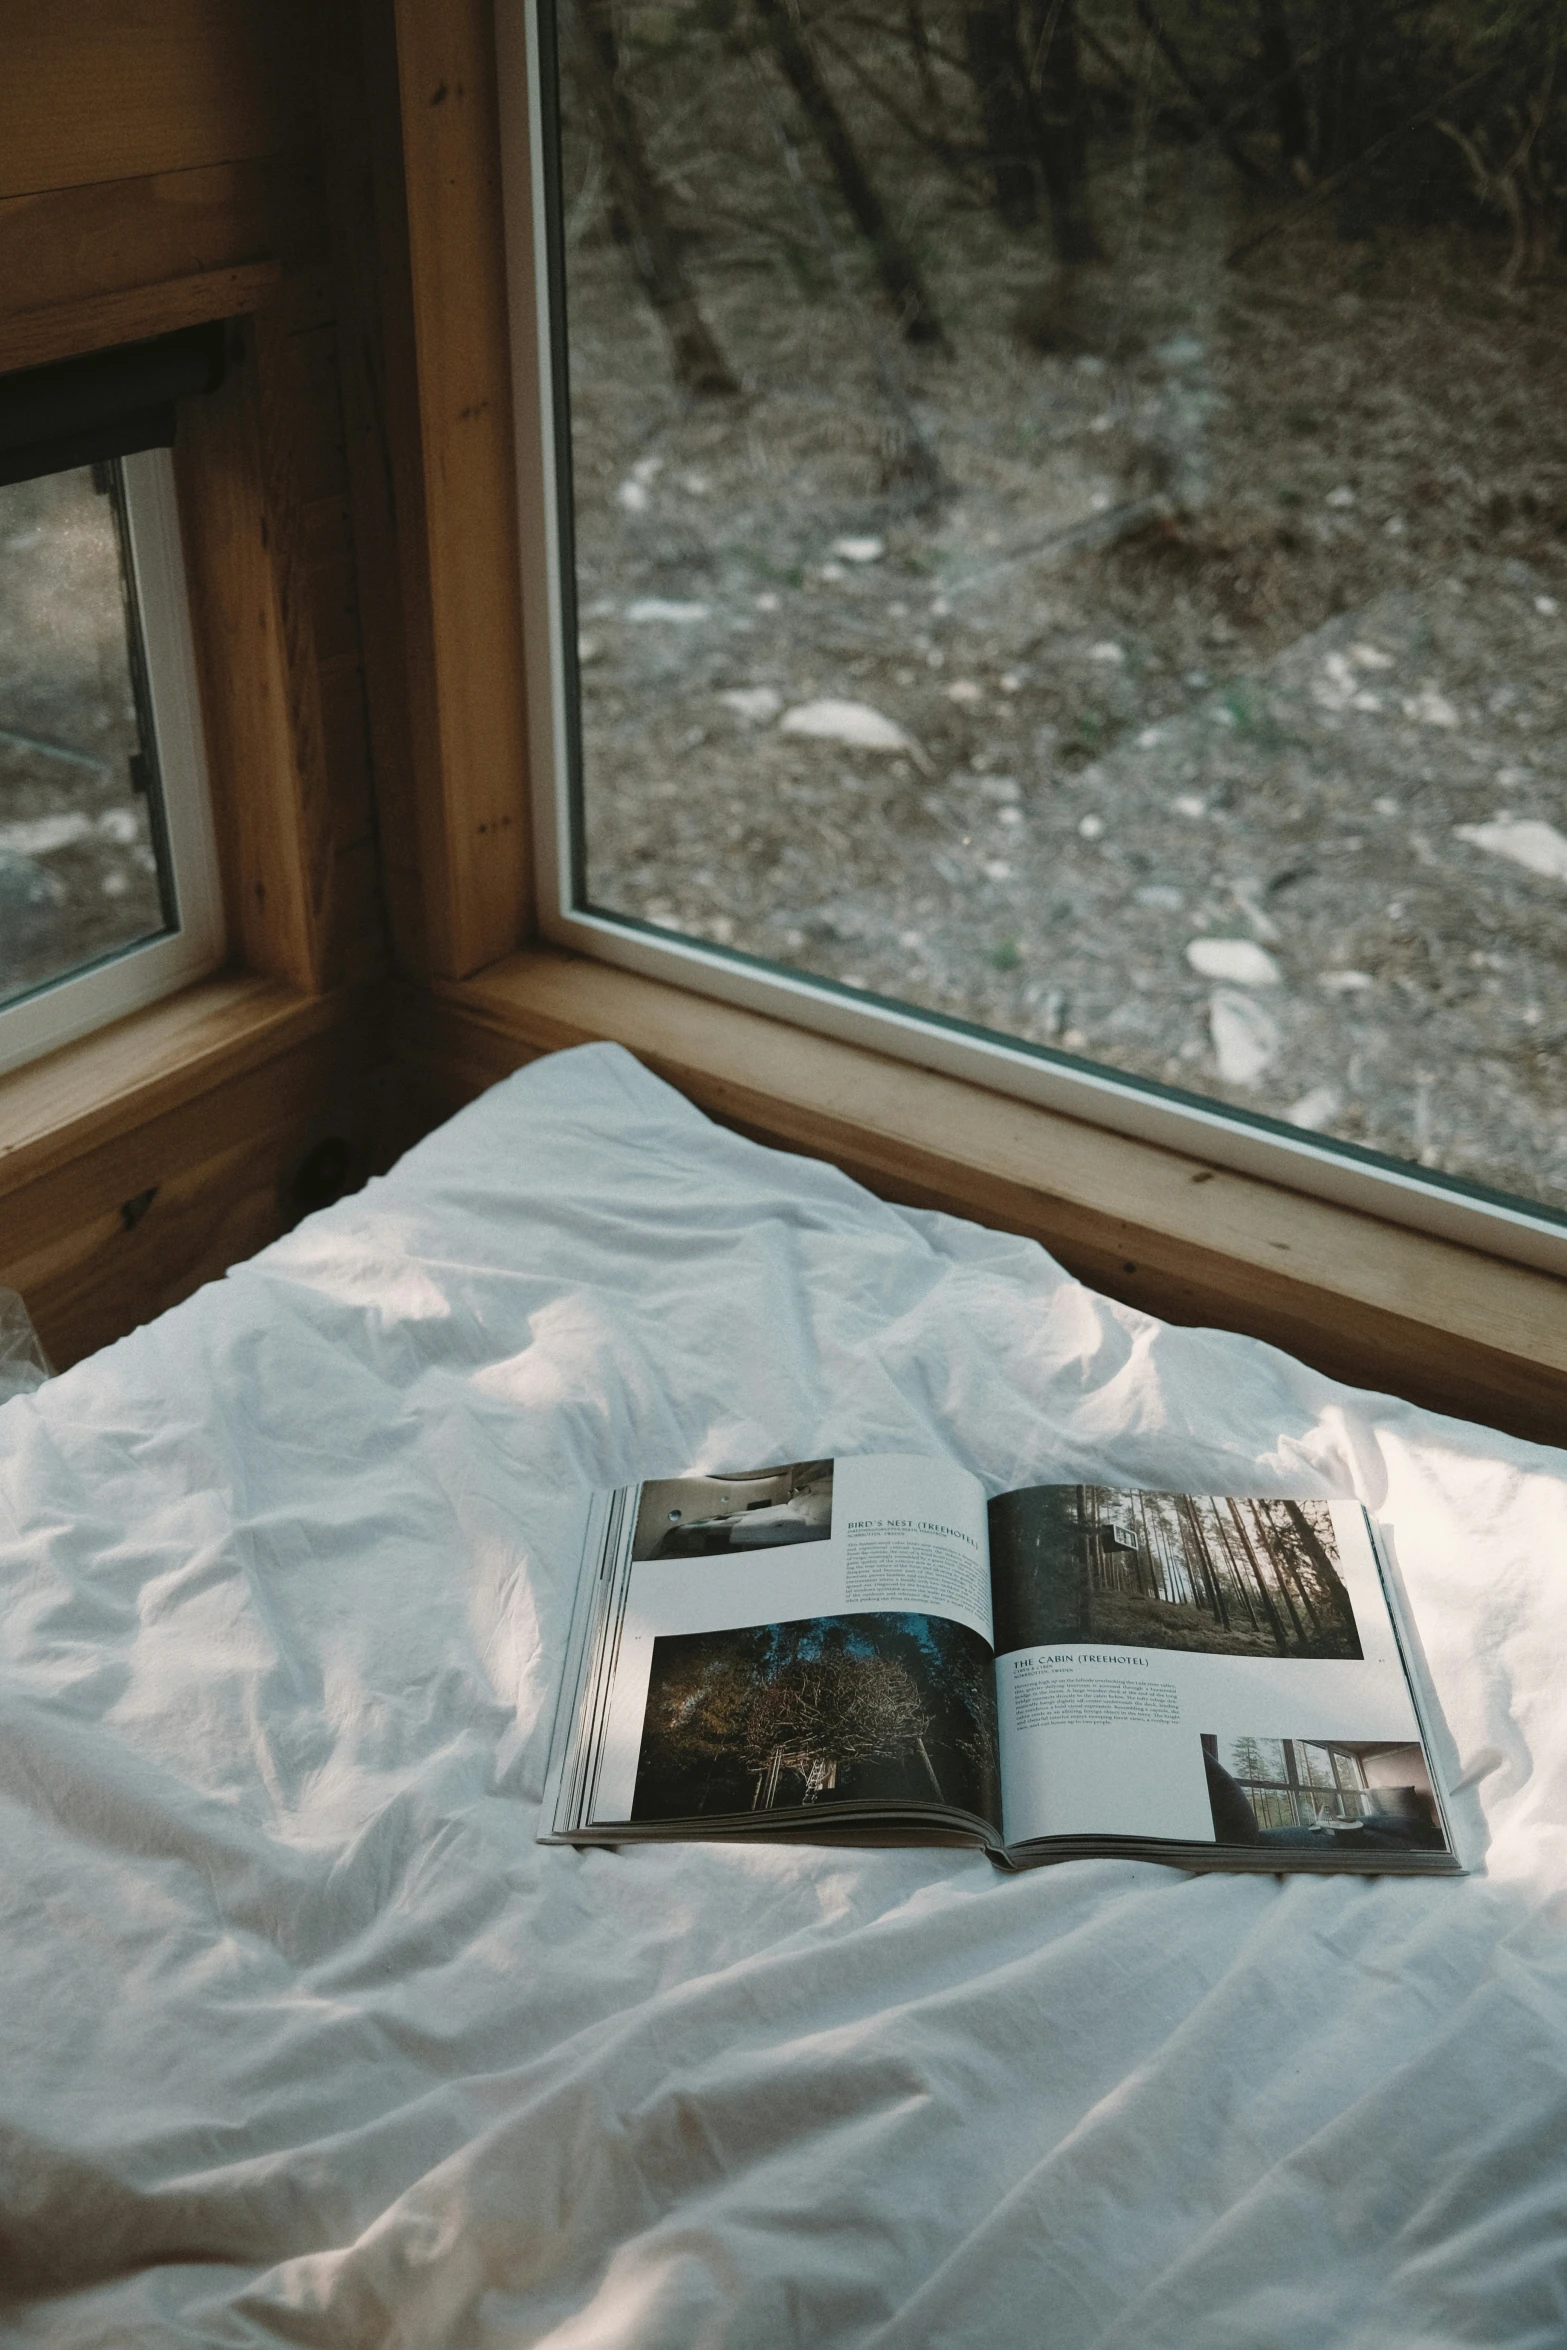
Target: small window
{"x": 108, "y": 884}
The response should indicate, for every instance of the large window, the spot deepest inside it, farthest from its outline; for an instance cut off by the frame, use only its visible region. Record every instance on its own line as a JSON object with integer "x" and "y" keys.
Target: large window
{"x": 108, "y": 892}
{"x": 1057, "y": 545}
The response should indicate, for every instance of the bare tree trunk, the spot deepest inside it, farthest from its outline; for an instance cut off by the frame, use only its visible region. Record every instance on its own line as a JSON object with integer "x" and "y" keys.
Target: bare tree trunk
{"x": 995, "y": 63}
{"x": 910, "y": 456}
{"x": 1338, "y": 85}
{"x": 1201, "y": 98}
{"x": 1283, "y": 84}
{"x": 639, "y": 206}
{"x": 1055, "y": 82}
{"x": 896, "y": 265}
{"x": 930, "y": 88}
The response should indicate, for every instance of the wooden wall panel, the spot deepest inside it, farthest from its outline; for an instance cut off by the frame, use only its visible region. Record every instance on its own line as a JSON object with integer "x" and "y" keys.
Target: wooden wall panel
{"x": 120, "y": 89}
{"x": 160, "y": 165}
{"x": 93, "y": 1255}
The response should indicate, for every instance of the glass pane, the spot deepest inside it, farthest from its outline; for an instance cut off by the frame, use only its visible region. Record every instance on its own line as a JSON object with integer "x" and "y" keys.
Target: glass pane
{"x": 79, "y": 868}
{"x": 1071, "y": 529}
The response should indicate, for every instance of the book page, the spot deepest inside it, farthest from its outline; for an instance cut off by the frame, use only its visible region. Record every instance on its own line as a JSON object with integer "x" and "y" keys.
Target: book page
{"x": 800, "y": 1636}
{"x": 1202, "y": 1668}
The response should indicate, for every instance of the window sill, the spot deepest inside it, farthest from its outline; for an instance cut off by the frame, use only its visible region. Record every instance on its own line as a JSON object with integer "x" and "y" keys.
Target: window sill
{"x": 148, "y": 1157}
{"x": 1371, "y": 1303}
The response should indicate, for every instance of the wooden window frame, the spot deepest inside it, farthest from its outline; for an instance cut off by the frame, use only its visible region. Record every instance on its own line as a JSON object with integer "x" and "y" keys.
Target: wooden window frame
{"x": 213, "y": 1093}
{"x": 83, "y": 999}
{"x": 1369, "y": 1299}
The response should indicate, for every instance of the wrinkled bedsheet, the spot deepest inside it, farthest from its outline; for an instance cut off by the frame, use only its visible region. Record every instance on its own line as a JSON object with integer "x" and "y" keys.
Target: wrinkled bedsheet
{"x": 303, "y": 2038}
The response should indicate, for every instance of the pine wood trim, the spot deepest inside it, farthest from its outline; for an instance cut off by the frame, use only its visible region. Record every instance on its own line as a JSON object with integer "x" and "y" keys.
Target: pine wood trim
{"x": 1371, "y": 1303}
{"x": 95, "y": 1091}
{"x": 413, "y": 155}
{"x": 133, "y": 314}
{"x": 247, "y": 554}
{"x": 151, "y": 1156}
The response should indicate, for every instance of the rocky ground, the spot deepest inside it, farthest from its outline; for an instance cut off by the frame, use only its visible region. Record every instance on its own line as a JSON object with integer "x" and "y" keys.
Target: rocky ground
{"x": 1211, "y": 727}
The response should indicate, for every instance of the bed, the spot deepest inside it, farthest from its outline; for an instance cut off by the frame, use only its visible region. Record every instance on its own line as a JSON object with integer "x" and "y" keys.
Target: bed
{"x": 305, "y": 2040}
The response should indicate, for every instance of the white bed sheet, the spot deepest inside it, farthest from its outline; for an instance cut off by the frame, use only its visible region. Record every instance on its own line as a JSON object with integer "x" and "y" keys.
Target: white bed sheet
{"x": 303, "y": 2038}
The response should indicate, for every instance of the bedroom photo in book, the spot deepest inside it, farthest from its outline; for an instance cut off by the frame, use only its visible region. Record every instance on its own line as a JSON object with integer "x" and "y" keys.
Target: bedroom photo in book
{"x": 869, "y": 1650}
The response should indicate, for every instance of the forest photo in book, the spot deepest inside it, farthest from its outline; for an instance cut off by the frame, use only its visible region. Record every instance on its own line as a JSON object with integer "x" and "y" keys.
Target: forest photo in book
{"x": 1228, "y": 1576}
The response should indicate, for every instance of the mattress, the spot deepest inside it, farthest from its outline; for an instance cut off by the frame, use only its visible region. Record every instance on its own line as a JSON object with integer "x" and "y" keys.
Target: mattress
{"x": 304, "y": 2039}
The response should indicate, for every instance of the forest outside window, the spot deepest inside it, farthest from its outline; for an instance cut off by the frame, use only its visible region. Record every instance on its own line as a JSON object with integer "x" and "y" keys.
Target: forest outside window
{"x": 1063, "y": 530}
{"x": 108, "y": 889}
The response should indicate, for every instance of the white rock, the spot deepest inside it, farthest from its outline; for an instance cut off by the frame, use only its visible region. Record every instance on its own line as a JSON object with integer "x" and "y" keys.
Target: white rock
{"x": 1316, "y": 1108}
{"x": 1342, "y": 496}
{"x": 647, "y": 469}
{"x": 40, "y": 836}
{"x": 1245, "y": 1037}
{"x": 1149, "y": 738}
{"x": 1345, "y": 982}
{"x": 648, "y": 608}
{"x": 1370, "y": 657}
{"x": 1091, "y": 827}
{"x": 120, "y": 826}
{"x": 833, "y": 571}
{"x": 767, "y": 602}
{"x": 1527, "y": 840}
{"x": 860, "y": 550}
{"x": 963, "y": 689}
{"x": 997, "y": 869}
{"x": 1106, "y": 652}
{"x": 632, "y": 495}
{"x": 1546, "y": 606}
{"x": 1188, "y": 803}
{"x": 1430, "y": 708}
{"x": 1238, "y": 959}
{"x": 754, "y": 702}
{"x": 854, "y": 723}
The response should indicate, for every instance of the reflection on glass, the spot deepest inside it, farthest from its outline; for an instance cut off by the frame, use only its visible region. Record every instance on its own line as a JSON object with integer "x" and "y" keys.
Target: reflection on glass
{"x": 78, "y": 865}
{"x": 1071, "y": 528}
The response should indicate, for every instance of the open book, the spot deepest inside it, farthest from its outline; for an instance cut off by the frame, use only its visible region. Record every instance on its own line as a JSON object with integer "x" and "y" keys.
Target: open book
{"x": 864, "y": 1649}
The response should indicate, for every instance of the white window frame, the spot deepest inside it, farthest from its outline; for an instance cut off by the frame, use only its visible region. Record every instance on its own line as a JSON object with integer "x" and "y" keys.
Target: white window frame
{"x": 80, "y": 1001}
{"x": 1393, "y": 1191}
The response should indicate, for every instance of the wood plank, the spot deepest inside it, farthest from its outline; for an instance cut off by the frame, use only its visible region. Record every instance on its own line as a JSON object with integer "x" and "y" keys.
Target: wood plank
{"x": 320, "y": 456}
{"x": 113, "y": 89}
{"x": 413, "y": 161}
{"x": 245, "y": 549}
{"x": 32, "y": 338}
{"x": 451, "y": 162}
{"x": 1371, "y": 1303}
{"x": 96, "y": 1091}
{"x": 118, "y": 237}
{"x": 122, "y": 1232}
